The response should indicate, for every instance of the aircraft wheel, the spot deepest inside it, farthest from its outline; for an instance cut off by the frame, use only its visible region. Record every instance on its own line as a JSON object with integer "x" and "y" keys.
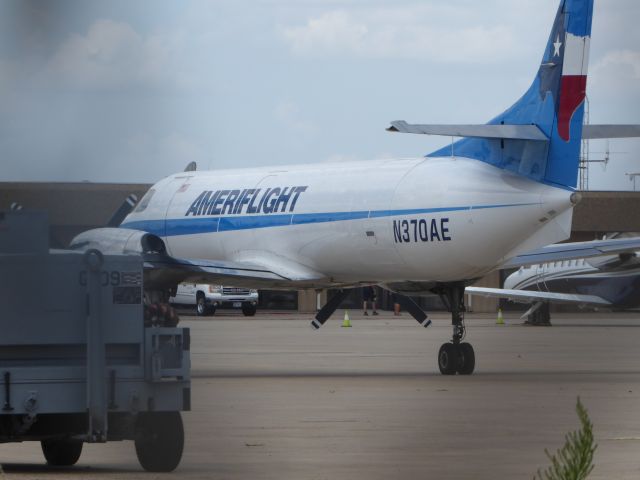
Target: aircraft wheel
{"x": 448, "y": 359}
{"x": 466, "y": 359}
{"x": 61, "y": 452}
{"x": 159, "y": 441}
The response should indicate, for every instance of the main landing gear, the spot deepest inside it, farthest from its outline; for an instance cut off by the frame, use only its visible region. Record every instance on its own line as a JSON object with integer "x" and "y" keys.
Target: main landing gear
{"x": 456, "y": 356}
{"x": 539, "y": 315}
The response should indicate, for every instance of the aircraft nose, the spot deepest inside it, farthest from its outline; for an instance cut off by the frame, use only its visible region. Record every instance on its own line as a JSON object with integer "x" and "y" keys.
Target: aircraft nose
{"x": 510, "y": 281}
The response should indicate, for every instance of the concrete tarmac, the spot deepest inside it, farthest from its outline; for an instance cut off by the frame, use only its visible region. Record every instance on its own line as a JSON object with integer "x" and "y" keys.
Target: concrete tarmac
{"x": 274, "y": 400}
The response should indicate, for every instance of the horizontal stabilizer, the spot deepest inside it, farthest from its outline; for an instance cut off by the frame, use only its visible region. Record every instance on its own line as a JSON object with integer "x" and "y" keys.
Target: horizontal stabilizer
{"x": 610, "y": 131}
{"x": 513, "y": 132}
{"x": 570, "y": 251}
{"x": 527, "y": 296}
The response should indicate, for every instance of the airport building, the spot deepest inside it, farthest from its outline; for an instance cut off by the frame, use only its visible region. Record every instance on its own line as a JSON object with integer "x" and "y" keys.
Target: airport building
{"x": 76, "y": 207}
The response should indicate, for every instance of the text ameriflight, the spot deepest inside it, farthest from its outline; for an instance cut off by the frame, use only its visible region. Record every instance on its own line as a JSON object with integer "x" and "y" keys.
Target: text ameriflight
{"x": 248, "y": 200}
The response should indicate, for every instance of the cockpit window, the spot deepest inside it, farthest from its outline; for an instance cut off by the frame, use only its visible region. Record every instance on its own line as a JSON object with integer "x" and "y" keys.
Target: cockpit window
{"x": 144, "y": 203}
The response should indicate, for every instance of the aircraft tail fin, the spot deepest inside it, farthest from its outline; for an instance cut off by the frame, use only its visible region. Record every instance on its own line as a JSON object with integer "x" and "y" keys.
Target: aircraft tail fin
{"x": 554, "y": 104}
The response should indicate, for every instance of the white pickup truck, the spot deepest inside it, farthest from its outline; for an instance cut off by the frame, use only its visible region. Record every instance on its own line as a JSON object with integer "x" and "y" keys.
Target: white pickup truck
{"x": 206, "y": 298}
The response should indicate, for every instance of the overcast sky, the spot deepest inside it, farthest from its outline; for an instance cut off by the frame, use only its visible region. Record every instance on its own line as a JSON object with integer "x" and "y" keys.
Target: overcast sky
{"x": 124, "y": 91}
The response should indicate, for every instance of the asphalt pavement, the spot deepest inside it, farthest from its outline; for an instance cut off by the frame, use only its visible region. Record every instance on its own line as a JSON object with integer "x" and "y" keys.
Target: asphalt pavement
{"x": 273, "y": 399}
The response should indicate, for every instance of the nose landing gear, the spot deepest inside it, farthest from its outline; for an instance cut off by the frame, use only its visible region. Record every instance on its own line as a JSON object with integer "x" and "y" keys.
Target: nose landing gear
{"x": 456, "y": 356}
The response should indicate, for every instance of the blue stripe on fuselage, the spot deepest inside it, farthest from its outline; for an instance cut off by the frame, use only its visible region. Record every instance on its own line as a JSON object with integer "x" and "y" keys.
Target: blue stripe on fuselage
{"x": 193, "y": 226}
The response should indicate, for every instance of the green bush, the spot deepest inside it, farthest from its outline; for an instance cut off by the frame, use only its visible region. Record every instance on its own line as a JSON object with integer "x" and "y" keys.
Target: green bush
{"x": 574, "y": 461}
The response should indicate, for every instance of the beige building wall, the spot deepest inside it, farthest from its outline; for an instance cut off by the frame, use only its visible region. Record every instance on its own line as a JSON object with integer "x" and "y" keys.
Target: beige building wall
{"x": 308, "y": 300}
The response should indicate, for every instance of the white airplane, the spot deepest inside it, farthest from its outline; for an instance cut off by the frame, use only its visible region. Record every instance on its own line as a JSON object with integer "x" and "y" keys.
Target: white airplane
{"x": 589, "y": 278}
{"x": 423, "y": 226}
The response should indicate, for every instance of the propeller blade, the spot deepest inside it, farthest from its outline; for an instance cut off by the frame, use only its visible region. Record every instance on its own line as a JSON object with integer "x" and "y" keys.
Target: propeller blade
{"x": 330, "y": 307}
{"x": 124, "y": 210}
{"x": 414, "y": 310}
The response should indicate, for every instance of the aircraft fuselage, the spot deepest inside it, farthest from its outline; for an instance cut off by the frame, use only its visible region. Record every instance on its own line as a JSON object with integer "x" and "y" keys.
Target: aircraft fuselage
{"x": 619, "y": 286}
{"x": 383, "y": 221}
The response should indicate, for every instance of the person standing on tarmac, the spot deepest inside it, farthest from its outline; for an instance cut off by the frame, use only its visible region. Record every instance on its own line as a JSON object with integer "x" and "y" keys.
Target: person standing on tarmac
{"x": 369, "y": 295}
{"x": 396, "y": 305}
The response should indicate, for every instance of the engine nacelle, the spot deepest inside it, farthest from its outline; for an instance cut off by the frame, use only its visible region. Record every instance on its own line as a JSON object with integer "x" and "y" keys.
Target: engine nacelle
{"x": 119, "y": 241}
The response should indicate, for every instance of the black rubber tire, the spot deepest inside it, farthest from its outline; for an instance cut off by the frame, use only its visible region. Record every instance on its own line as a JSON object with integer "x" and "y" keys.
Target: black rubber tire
{"x": 201, "y": 305}
{"x": 448, "y": 359}
{"x": 466, "y": 359}
{"x": 248, "y": 309}
{"x": 545, "y": 315}
{"x": 159, "y": 441}
{"x": 61, "y": 452}
{"x": 541, "y": 317}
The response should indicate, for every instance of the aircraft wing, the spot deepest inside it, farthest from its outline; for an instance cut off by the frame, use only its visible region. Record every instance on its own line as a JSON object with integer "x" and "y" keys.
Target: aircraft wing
{"x": 527, "y": 296}
{"x": 570, "y": 251}
{"x": 164, "y": 270}
{"x": 255, "y": 269}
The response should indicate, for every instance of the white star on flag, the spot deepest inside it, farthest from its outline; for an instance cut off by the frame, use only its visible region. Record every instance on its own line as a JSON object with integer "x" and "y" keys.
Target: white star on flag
{"x": 556, "y": 46}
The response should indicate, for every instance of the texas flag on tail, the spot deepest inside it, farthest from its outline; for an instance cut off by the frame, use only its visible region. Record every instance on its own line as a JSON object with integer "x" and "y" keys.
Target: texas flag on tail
{"x": 553, "y": 107}
{"x": 573, "y": 84}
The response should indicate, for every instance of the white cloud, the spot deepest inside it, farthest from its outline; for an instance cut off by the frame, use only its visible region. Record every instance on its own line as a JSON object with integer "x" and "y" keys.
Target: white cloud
{"x": 164, "y": 154}
{"x": 614, "y": 88}
{"x": 288, "y": 113}
{"x": 401, "y": 32}
{"x": 181, "y": 150}
{"x": 618, "y": 63}
{"x": 113, "y": 55}
{"x": 328, "y": 33}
